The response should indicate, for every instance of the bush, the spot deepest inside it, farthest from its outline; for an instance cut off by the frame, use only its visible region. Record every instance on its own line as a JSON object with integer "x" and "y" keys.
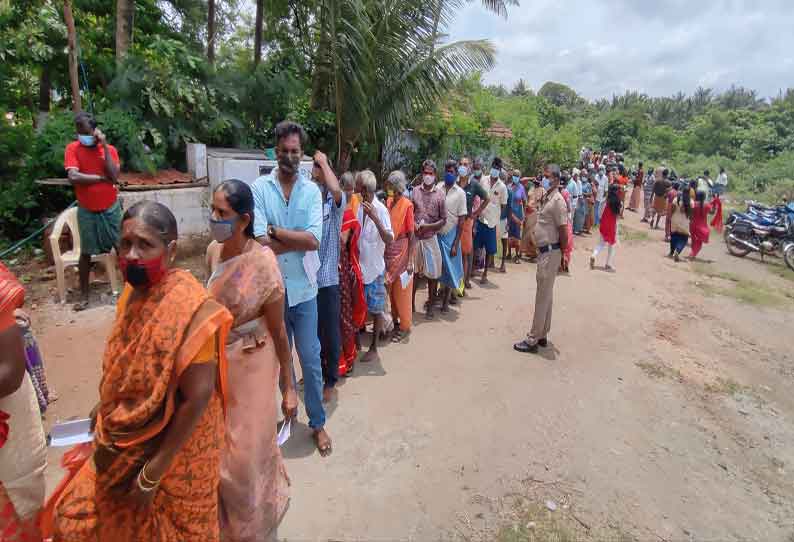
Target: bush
{"x": 22, "y": 201}
{"x": 141, "y": 147}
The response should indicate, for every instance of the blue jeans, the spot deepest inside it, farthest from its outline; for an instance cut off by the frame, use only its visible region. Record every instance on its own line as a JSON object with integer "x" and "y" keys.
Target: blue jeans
{"x": 598, "y": 212}
{"x": 329, "y": 332}
{"x": 301, "y": 323}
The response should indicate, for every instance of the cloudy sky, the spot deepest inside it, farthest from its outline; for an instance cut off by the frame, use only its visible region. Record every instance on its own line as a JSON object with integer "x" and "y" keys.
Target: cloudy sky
{"x": 603, "y": 47}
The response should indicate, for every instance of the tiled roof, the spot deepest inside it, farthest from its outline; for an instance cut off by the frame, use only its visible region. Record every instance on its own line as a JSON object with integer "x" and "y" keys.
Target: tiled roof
{"x": 163, "y": 176}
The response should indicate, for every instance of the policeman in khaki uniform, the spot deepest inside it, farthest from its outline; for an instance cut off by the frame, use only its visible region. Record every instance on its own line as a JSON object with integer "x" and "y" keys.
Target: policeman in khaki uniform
{"x": 551, "y": 236}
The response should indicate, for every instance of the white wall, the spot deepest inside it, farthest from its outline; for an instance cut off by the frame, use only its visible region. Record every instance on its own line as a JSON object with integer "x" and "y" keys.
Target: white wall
{"x": 189, "y": 205}
{"x": 222, "y": 168}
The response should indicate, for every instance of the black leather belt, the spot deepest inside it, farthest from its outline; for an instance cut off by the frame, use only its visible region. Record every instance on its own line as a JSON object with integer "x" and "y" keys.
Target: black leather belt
{"x": 549, "y": 248}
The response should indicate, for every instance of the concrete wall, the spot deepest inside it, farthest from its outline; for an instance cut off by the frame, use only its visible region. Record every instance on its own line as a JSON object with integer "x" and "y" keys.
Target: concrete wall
{"x": 197, "y": 160}
{"x": 189, "y": 205}
{"x": 222, "y": 168}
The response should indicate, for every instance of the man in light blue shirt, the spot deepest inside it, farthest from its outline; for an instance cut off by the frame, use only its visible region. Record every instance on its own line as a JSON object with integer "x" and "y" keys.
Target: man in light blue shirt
{"x": 288, "y": 217}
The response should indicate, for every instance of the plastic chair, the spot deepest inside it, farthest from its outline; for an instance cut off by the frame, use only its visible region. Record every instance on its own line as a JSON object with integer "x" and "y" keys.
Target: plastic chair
{"x": 68, "y": 218}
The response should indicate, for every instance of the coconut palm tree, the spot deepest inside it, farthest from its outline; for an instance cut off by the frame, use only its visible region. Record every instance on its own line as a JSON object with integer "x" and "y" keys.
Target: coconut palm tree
{"x": 373, "y": 69}
{"x": 496, "y": 6}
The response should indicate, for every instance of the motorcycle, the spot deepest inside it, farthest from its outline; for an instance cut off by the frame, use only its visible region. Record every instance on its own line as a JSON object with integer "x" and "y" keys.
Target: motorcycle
{"x": 788, "y": 254}
{"x": 768, "y": 231}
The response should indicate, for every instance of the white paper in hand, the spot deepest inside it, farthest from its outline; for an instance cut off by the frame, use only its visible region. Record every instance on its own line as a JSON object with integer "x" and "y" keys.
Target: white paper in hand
{"x": 71, "y": 433}
{"x": 311, "y": 264}
{"x": 405, "y": 278}
{"x": 284, "y": 433}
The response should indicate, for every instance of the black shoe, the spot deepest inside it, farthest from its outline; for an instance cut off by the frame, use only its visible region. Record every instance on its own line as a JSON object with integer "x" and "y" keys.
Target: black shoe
{"x": 526, "y": 348}
{"x": 543, "y": 343}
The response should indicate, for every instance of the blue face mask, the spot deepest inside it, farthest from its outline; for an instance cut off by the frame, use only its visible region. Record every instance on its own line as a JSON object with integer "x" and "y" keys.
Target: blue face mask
{"x": 86, "y": 140}
{"x": 450, "y": 178}
{"x": 546, "y": 183}
{"x": 222, "y": 230}
{"x": 515, "y": 179}
{"x": 477, "y": 173}
{"x": 463, "y": 171}
{"x": 494, "y": 173}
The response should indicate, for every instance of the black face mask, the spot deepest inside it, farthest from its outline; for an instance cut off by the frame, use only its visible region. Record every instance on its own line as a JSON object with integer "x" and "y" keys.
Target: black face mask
{"x": 288, "y": 164}
{"x": 137, "y": 275}
{"x": 142, "y": 273}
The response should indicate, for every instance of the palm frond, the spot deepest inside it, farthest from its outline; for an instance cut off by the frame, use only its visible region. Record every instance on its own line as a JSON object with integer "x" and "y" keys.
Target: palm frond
{"x": 498, "y": 6}
{"x": 382, "y": 62}
{"x": 424, "y": 80}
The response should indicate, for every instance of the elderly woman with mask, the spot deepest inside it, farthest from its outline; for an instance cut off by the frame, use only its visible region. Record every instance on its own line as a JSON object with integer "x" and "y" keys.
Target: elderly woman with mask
{"x": 351, "y": 285}
{"x": 160, "y": 433}
{"x": 399, "y": 256}
{"x": 246, "y": 279}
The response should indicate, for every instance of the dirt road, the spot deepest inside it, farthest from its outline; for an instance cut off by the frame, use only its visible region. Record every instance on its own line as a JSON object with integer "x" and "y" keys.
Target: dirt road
{"x": 662, "y": 412}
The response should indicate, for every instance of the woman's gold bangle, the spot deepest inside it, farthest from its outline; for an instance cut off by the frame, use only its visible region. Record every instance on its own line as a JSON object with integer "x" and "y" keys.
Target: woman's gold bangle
{"x": 143, "y": 487}
{"x": 146, "y": 478}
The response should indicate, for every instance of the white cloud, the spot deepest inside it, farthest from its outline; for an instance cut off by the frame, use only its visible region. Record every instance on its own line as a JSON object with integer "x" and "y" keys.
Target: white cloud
{"x": 601, "y": 47}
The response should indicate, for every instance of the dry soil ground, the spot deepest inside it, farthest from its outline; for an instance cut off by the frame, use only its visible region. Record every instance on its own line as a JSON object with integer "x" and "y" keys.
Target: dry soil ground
{"x": 663, "y": 411}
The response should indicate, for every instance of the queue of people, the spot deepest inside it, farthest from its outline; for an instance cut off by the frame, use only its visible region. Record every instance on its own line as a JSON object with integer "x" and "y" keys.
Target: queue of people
{"x": 186, "y": 426}
{"x": 185, "y": 429}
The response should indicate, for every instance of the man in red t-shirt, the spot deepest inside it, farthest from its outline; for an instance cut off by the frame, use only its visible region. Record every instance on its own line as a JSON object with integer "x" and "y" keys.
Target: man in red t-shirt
{"x": 93, "y": 169}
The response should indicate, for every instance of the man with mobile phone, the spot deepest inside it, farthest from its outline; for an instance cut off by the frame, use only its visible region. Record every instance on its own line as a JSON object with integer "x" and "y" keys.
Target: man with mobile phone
{"x": 93, "y": 169}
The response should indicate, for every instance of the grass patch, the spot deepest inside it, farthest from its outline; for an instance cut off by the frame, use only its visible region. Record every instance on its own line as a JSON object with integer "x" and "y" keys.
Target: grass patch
{"x": 659, "y": 371}
{"x": 743, "y": 290}
{"x": 782, "y": 271}
{"x": 537, "y": 524}
{"x": 629, "y": 235}
{"x": 708, "y": 271}
{"x": 725, "y": 386}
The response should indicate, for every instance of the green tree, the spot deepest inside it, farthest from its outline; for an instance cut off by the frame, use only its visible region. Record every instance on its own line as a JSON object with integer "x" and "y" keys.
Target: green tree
{"x": 375, "y": 69}
{"x": 521, "y": 89}
{"x": 560, "y": 95}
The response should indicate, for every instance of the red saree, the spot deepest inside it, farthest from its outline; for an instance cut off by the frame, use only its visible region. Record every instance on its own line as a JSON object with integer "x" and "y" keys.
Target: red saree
{"x": 351, "y": 292}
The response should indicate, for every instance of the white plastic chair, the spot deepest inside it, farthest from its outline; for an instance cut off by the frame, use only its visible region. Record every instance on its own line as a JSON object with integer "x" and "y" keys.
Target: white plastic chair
{"x": 68, "y": 218}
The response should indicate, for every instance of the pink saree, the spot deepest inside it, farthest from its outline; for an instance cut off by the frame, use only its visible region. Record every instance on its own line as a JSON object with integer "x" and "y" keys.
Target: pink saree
{"x": 254, "y": 486}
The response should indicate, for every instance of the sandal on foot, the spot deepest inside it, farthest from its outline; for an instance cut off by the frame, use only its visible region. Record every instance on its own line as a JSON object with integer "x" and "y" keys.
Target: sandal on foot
{"x": 399, "y": 336}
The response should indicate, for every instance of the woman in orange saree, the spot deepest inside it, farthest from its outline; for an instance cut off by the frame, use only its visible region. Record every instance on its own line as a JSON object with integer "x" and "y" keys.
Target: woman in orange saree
{"x": 399, "y": 256}
{"x": 159, "y": 432}
{"x": 254, "y": 488}
{"x": 351, "y": 284}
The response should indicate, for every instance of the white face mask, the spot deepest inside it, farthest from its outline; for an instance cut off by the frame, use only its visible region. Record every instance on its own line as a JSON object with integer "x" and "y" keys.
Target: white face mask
{"x": 428, "y": 180}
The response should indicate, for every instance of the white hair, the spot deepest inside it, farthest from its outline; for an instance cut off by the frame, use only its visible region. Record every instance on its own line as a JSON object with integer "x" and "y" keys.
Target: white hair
{"x": 347, "y": 180}
{"x": 398, "y": 181}
{"x": 368, "y": 180}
